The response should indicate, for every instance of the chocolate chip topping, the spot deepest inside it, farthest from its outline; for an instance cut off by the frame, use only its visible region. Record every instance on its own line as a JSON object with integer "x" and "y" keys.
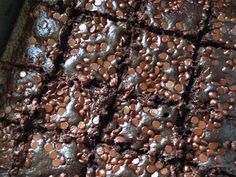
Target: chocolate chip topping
{"x": 121, "y": 88}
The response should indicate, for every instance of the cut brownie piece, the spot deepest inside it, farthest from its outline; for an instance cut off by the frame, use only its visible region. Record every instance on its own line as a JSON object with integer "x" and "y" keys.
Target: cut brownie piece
{"x": 158, "y": 64}
{"x": 212, "y": 142}
{"x": 110, "y": 162}
{"x": 145, "y": 128}
{"x": 96, "y": 48}
{"x": 68, "y": 106}
{"x": 222, "y": 28}
{"x": 8, "y": 137}
{"x": 121, "y": 9}
{"x": 42, "y": 47}
{"x": 18, "y": 89}
{"x": 41, "y": 39}
{"x": 186, "y": 16}
{"x": 50, "y": 154}
{"x": 216, "y": 84}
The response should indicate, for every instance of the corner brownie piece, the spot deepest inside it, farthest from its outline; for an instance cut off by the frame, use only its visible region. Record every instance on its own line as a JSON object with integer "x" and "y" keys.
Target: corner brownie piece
{"x": 185, "y": 16}
{"x": 42, "y": 47}
{"x": 216, "y": 84}
{"x": 212, "y": 143}
{"x": 41, "y": 38}
{"x": 145, "y": 127}
{"x": 121, "y": 9}
{"x": 110, "y": 162}
{"x": 51, "y": 154}
{"x": 222, "y": 28}
{"x": 158, "y": 64}
{"x": 96, "y": 48}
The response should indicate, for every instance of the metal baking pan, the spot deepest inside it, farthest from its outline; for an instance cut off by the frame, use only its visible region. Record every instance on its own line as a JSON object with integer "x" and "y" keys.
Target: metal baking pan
{"x": 13, "y": 18}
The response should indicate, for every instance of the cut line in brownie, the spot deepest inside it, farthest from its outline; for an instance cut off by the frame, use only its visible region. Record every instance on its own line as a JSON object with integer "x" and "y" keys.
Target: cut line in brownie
{"x": 222, "y": 27}
{"x": 186, "y": 17}
{"x": 145, "y": 127}
{"x": 110, "y": 162}
{"x": 215, "y": 86}
{"x": 212, "y": 143}
{"x": 157, "y": 64}
{"x": 68, "y": 106}
{"x": 96, "y": 46}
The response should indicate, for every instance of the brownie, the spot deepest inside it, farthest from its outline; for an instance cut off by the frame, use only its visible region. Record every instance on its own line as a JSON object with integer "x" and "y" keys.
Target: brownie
{"x": 41, "y": 39}
{"x": 19, "y": 86}
{"x": 121, "y": 9}
{"x": 186, "y": 16}
{"x": 151, "y": 129}
{"x": 43, "y": 44}
{"x": 120, "y": 88}
{"x": 48, "y": 154}
{"x": 222, "y": 28}
{"x": 158, "y": 64}
{"x": 8, "y": 138}
{"x": 212, "y": 142}
{"x": 216, "y": 84}
{"x": 68, "y": 106}
{"x": 110, "y": 162}
{"x": 95, "y": 49}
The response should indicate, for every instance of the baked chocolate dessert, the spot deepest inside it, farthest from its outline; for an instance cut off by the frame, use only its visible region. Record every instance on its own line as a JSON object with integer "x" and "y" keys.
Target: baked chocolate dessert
{"x": 120, "y": 88}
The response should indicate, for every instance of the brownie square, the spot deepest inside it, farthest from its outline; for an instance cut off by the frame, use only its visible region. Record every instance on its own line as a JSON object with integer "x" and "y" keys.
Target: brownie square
{"x": 186, "y": 16}
{"x": 222, "y": 28}
{"x": 157, "y": 64}
{"x": 216, "y": 84}
{"x": 8, "y": 139}
{"x": 95, "y": 50}
{"x": 121, "y": 9}
{"x": 69, "y": 107}
{"x": 43, "y": 44}
{"x": 145, "y": 127}
{"x": 109, "y": 161}
{"x": 49, "y": 154}
{"x": 41, "y": 39}
{"x": 212, "y": 142}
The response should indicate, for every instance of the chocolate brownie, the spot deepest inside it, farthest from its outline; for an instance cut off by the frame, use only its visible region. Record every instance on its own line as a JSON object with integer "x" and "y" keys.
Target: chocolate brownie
{"x": 158, "y": 64}
{"x": 41, "y": 38}
{"x": 68, "y": 106}
{"x": 48, "y": 154}
{"x": 143, "y": 126}
{"x": 121, "y": 9}
{"x": 95, "y": 50}
{"x": 18, "y": 87}
{"x": 222, "y": 28}
{"x": 8, "y": 138}
{"x": 110, "y": 162}
{"x": 216, "y": 84}
{"x": 186, "y": 16}
{"x": 212, "y": 142}
{"x": 121, "y": 88}
{"x": 43, "y": 45}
